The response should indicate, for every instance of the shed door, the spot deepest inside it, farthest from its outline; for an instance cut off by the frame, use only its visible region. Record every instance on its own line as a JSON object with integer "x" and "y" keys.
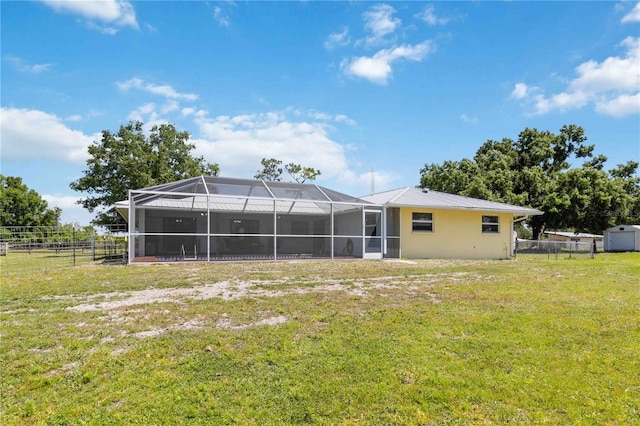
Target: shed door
{"x": 622, "y": 241}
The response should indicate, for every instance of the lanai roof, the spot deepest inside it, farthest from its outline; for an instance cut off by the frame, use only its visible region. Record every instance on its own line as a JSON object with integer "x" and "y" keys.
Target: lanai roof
{"x": 238, "y": 195}
{"x": 421, "y": 198}
{"x": 254, "y": 188}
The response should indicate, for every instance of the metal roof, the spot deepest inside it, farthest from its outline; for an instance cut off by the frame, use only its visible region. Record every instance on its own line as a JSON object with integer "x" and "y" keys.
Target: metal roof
{"x": 419, "y": 198}
{"x": 627, "y": 227}
{"x": 573, "y": 234}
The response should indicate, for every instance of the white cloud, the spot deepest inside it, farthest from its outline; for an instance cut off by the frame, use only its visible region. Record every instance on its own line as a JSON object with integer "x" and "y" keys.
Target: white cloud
{"x": 169, "y": 106}
{"x": 148, "y": 115}
{"x": 161, "y": 90}
{"x": 341, "y": 118}
{"x": 621, "y": 106}
{"x": 337, "y": 39}
{"x": 379, "y": 21}
{"x": 238, "y": 143}
{"x": 221, "y": 17}
{"x": 320, "y": 116}
{"x": 374, "y": 181}
{"x": 469, "y": 119}
{"x": 74, "y": 118}
{"x": 22, "y": 66}
{"x": 116, "y": 13}
{"x": 62, "y": 201}
{"x": 612, "y": 86}
{"x": 28, "y": 134}
{"x": 429, "y": 16}
{"x": 633, "y": 16}
{"x": 71, "y": 211}
{"x": 520, "y": 91}
{"x": 79, "y": 117}
{"x": 187, "y": 111}
{"x": 377, "y": 68}
{"x": 144, "y": 113}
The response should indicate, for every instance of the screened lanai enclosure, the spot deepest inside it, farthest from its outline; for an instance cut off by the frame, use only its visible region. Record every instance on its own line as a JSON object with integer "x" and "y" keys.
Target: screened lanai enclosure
{"x": 213, "y": 218}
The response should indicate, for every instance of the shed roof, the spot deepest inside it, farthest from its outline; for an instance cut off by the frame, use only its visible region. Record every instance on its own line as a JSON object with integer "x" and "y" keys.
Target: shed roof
{"x": 617, "y": 228}
{"x": 573, "y": 234}
{"x": 419, "y": 198}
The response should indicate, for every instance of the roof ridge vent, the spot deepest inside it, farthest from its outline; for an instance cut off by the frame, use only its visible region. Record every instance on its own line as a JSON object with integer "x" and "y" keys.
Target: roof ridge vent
{"x": 425, "y": 189}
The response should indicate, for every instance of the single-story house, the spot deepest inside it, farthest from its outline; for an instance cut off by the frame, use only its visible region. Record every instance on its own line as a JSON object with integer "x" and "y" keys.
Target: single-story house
{"x": 622, "y": 238}
{"x": 432, "y": 224}
{"x": 214, "y": 218}
{"x": 576, "y": 237}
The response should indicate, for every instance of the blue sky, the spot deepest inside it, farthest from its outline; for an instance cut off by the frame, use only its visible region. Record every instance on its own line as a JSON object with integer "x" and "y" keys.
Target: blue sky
{"x": 345, "y": 87}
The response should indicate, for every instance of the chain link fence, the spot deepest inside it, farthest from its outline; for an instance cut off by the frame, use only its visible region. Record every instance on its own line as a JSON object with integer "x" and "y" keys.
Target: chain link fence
{"x": 38, "y": 249}
{"x": 555, "y": 249}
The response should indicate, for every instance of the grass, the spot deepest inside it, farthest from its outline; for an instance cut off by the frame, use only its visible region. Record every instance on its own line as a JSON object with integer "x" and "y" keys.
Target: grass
{"x": 431, "y": 342}
{"x": 41, "y": 260}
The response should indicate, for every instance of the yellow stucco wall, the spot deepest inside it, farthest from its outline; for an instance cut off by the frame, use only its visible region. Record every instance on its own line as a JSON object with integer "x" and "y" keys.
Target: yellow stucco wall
{"x": 456, "y": 234}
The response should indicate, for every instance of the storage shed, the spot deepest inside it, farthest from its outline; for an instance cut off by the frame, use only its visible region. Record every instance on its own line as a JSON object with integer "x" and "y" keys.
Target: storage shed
{"x": 622, "y": 238}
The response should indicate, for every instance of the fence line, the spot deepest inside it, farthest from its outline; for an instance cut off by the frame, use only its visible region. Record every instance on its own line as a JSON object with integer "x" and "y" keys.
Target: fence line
{"x": 38, "y": 249}
{"x": 557, "y": 249}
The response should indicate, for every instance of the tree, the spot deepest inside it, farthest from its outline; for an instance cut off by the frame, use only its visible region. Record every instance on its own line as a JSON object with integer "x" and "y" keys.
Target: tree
{"x": 627, "y": 175}
{"x": 534, "y": 171}
{"x": 595, "y": 201}
{"x": 272, "y": 171}
{"x": 130, "y": 160}
{"x": 22, "y": 206}
{"x": 302, "y": 174}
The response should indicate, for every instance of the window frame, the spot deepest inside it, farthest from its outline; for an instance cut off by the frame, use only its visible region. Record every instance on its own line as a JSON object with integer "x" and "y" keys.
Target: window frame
{"x": 489, "y": 224}
{"x": 415, "y": 221}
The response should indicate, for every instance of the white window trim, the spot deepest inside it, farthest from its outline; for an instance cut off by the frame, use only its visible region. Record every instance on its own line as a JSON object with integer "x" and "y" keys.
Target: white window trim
{"x": 496, "y": 224}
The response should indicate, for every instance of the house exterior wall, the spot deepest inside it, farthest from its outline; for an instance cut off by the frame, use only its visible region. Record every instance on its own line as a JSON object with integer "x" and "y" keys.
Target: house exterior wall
{"x": 456, "y": 234}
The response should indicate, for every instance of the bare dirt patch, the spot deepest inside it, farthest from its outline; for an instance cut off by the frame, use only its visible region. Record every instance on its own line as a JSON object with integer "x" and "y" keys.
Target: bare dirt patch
{"x": 233, "y": 290}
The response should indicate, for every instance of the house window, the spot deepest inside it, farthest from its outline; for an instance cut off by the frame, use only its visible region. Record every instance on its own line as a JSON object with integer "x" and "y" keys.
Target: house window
{"x": 422, "y": 222}
{"x": 490, "y": 225}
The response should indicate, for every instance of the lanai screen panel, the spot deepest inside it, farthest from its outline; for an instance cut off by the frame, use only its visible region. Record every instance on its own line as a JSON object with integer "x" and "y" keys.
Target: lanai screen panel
{"x": 241, "y": 228}
{"x": 222, "y": 218}
{"x": 303, "y": 229}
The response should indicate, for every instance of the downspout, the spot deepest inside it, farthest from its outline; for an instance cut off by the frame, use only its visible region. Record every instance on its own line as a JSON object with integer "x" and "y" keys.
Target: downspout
{"x": 132, "y": 226}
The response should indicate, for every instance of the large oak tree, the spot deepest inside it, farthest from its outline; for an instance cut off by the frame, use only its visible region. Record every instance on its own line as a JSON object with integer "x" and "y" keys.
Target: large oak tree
{"x": 535, "y": 171}
{"x": 129, "y": 159}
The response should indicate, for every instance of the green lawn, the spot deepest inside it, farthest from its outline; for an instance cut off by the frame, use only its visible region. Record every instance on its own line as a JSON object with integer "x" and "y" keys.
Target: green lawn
{"x": 42, "y": 260}
{"x": 430, "y": 342}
